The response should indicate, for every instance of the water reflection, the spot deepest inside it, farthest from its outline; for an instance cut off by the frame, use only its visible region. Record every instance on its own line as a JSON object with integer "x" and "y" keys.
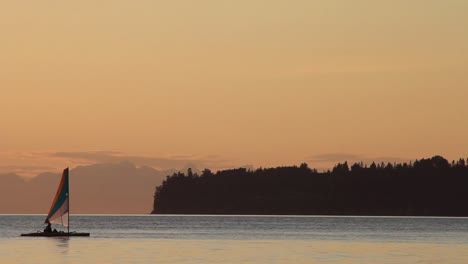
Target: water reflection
{"x": 241, "y": 239}
{"x": 62, "y": 244}
{"x": 101, "y": 250}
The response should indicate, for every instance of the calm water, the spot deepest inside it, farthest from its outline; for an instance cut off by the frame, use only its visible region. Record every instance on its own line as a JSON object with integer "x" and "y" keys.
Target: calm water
{"x": 238, "y": 239}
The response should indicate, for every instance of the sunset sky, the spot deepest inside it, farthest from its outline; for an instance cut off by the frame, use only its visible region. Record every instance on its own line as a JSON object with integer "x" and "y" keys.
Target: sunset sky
{"x": 222, "y": 84}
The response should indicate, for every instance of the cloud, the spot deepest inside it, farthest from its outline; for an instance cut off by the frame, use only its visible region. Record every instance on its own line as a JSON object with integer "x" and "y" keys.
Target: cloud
{"x": 334, "y": 157}
{"x": 30, "y": 164}
{"x": 178, "y": 161}
{"x": 87, "y": 156}
{"x": 10, "y": 168}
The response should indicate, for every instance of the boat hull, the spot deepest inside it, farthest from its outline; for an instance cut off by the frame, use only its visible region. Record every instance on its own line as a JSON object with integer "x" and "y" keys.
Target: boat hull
{"x": 58, "y": 234}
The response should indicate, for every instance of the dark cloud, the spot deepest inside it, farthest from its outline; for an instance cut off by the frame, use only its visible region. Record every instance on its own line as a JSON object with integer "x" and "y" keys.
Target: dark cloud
{"x": 180, "y": 161}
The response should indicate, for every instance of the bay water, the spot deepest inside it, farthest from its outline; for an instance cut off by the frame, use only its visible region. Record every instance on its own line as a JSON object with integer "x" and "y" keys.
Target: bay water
{"x": 238, "y": 239}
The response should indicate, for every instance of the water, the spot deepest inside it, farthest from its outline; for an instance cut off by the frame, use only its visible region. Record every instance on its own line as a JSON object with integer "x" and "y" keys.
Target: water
{"x": 238, "y": 239}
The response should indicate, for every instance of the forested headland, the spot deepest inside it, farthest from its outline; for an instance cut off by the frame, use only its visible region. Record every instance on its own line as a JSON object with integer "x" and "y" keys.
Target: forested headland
{"x": 426, "y": 187}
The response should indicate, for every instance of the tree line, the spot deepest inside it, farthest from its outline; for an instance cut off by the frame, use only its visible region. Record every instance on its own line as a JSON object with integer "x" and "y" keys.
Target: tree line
{"x": 426, "y": 187}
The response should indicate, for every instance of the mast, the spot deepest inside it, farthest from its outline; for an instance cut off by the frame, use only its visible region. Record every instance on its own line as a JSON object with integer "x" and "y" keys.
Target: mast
{"x": 68, "y": 227}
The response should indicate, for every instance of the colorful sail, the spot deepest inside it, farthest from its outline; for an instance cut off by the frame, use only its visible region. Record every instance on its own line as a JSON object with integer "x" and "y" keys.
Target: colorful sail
{"x": 58, "y": 213}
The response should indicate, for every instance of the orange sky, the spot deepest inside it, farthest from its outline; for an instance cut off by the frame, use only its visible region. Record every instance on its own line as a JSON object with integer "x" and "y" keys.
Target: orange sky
{"x": 231, "y": 83}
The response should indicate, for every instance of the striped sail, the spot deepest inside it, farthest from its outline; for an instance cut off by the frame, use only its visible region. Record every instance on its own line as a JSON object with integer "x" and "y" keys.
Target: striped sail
{"x": 58, "y": 213}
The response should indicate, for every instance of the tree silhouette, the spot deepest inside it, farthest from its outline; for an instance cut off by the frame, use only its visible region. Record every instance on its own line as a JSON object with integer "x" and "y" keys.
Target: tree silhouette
{"x": 425, "y": 187}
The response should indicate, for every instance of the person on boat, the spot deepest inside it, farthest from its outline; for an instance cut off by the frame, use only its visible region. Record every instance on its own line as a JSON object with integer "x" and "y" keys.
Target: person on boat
{"x": 48, "y": 228}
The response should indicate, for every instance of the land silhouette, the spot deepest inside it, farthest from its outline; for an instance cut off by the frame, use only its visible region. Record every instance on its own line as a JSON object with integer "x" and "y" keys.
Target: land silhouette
{"x": 426, "y": 187}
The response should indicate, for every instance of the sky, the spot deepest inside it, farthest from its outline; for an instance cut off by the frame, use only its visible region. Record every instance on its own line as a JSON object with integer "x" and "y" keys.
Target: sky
{"x": 222, "y": 84}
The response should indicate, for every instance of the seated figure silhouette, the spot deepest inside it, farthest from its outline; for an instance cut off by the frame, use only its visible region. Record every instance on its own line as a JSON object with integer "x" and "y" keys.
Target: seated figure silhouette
{"x": 48, "y": 228}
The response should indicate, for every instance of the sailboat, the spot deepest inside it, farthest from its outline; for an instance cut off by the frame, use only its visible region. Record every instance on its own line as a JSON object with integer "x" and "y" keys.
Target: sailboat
{"x": 59, "y": 212}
